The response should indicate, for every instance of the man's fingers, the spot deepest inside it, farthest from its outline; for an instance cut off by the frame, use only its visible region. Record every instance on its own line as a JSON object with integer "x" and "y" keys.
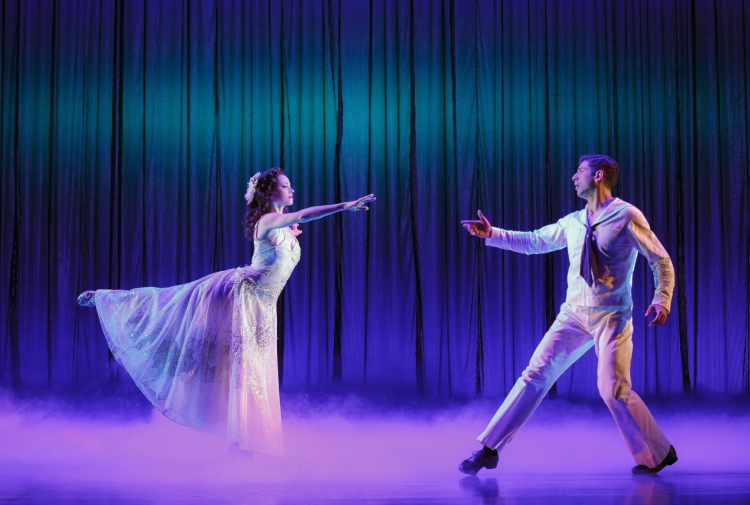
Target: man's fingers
{"x": 659, "y": 319}
{"x": 481, "y": 216}
{"x": 650, "y": 310}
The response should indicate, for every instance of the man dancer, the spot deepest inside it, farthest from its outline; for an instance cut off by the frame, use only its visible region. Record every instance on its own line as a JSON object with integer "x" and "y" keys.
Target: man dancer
{"x": 603, "y": 241}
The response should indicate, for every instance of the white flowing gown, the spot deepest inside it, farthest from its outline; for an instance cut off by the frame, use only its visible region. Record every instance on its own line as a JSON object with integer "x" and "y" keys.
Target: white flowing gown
{"x": 204, "y": 353}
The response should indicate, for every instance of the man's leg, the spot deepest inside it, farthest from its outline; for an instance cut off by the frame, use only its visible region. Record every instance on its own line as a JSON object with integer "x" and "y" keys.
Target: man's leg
{"x": 565, "y": 342}
{"x": 613, "y": 331}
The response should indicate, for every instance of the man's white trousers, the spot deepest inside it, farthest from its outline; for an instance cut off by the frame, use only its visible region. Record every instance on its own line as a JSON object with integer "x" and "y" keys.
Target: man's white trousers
{"x": 609, "y": 330}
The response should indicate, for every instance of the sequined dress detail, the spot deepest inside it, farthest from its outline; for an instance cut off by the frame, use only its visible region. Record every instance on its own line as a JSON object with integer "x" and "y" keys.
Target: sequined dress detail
{"x": 204, "y": 353}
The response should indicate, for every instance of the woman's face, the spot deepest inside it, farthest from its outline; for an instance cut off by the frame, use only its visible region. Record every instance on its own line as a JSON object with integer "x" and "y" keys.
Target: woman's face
{"x": 282, "y": 196}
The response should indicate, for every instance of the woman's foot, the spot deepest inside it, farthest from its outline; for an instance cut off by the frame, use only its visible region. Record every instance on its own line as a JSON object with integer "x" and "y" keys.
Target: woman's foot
{"x": 86, "y": 299}
{"x": 235, "y": 452}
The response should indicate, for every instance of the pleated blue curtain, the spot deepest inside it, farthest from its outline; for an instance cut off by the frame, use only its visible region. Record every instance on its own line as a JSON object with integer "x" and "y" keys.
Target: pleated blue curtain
{"x": 129, "y": 131}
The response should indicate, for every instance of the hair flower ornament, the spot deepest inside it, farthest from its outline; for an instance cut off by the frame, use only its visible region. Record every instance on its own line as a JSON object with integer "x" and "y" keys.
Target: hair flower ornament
{"x": 251, "y": 185}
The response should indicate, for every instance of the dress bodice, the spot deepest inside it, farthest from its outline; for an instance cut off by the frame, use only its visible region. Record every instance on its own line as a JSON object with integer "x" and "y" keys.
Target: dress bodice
{"x": 276, "y": 256}
{"x": 274, "y": 259}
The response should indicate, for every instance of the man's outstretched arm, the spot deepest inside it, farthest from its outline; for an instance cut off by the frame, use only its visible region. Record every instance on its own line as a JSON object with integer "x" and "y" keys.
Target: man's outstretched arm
{"x": 545, "y": 239}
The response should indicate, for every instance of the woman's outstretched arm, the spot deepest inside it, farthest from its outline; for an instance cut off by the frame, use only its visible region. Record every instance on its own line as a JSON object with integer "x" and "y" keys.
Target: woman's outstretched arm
{"x": 273, "y": 220}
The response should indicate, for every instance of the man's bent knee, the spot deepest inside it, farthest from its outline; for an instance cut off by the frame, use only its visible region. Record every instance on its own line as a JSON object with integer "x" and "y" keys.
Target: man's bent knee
{"x": 538, "y": 376}
{"x": 613, "y": 391}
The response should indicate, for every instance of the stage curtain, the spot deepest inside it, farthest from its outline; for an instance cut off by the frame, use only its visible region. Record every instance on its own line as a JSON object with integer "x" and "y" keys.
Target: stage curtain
{"x": 129, "y": 129}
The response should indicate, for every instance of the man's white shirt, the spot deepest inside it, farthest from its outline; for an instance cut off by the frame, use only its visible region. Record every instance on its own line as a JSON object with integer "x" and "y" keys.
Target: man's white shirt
{"x": 621, "y": 232}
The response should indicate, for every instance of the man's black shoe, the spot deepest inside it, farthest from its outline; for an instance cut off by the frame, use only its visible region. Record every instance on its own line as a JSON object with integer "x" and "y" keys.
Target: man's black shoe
{"x": 671, "y": 459}
{"x": 486, "y": 458}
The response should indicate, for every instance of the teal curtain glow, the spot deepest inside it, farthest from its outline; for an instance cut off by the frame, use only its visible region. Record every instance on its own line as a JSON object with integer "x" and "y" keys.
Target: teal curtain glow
{"x": 129, "y": 129}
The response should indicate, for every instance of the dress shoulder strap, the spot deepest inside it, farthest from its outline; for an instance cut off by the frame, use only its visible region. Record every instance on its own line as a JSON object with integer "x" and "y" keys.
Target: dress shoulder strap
{"x": 273, "y": 235}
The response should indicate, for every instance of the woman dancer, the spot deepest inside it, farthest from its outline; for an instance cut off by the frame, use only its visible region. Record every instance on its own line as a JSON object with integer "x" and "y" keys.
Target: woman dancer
{"x": 204, "y": 353}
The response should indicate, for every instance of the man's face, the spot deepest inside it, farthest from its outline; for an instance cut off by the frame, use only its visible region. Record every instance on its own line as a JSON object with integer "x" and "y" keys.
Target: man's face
{"x": 585, "y": 179}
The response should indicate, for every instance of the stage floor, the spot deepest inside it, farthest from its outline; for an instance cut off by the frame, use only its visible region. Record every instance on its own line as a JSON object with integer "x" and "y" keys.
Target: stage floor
{"x": 671, "y": 488}
{"x": 675, "y": 488}
{"x": 348, "y": 450}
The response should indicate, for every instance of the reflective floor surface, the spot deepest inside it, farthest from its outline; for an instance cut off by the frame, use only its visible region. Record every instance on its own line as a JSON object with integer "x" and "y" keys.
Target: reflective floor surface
{"x": 673, "y": 488}
{"x": 676, "y": 488}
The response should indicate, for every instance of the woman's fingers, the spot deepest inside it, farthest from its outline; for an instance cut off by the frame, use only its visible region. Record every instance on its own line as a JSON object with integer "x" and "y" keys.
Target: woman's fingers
{"x": 361, "y": 201}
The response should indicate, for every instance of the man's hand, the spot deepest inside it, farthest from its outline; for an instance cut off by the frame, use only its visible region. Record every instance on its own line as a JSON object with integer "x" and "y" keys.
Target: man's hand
{"x": 295, "y": 230}
{"x": 481, "y": 228}
{"x": 661, "y": 314}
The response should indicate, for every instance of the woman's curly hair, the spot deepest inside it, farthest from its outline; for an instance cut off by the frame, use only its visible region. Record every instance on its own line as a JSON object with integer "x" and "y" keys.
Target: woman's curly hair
{"x": 261, "y": 203}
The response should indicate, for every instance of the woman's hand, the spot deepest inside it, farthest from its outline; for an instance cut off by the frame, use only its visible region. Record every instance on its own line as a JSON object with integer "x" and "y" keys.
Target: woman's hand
{"x": 359, "y": 204}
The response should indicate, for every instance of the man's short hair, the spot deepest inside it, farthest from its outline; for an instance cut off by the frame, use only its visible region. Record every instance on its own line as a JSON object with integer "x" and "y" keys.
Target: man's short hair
{"x": 607, "y": 165}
